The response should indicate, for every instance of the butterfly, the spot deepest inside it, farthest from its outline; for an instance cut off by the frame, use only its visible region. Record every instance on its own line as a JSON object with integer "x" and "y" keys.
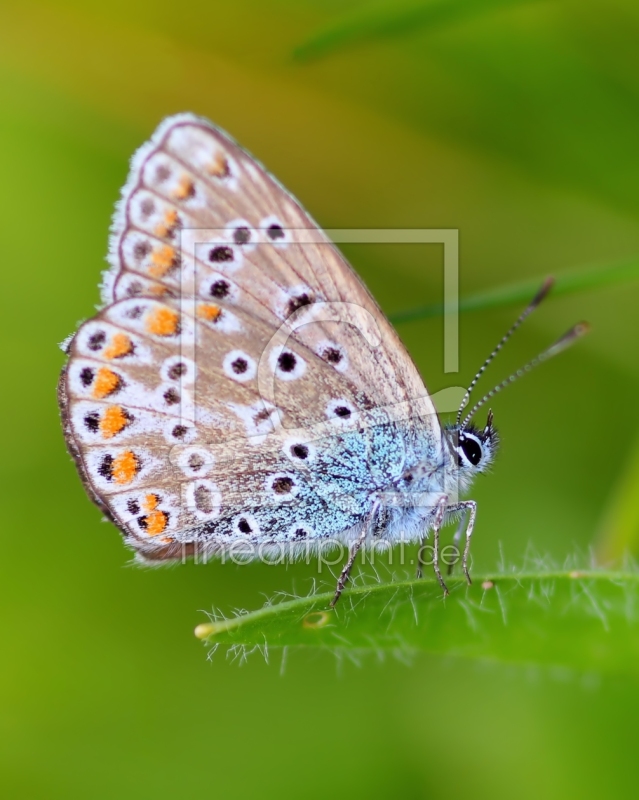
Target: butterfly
{"x": 240, "y": 390}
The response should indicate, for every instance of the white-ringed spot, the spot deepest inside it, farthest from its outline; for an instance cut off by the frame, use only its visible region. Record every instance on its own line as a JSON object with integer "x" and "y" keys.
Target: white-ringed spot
{"x": 334, "y": 354}
{"x": 300, "y": 532}
{"x": 299, "y": 452}
{"x": 239, "y": 366}
{"x": 286, "y": 364}
{"x": 245, "y": 525}
{"x": 178, "y": 369}
{"x": 341, "y": 410}
{"x": 281, "y": 487}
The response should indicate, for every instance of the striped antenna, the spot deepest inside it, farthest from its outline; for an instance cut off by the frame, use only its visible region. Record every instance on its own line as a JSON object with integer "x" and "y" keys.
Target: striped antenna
{"x": 569, "y": 338}
{"x": 541, "y": 294}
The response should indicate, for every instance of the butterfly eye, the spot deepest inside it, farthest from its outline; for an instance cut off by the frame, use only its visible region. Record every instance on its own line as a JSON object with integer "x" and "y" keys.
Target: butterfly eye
{"x": 472, "y": 450}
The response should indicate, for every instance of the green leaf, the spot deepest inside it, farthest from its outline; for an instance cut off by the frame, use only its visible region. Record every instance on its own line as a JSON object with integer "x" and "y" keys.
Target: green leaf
{"x": 584, "y": 620}
{"x": 567, "y": 282}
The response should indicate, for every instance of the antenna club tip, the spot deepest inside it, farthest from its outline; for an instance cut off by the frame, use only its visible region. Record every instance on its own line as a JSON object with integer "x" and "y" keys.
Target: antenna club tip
{"x": 582, "y": 328}
{"x": 543, "y": 291}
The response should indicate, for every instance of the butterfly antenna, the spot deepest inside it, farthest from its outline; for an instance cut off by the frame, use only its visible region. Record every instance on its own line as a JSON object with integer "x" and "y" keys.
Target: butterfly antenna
{"x": 541, "y": 294}
{"x": 569, "y": 338}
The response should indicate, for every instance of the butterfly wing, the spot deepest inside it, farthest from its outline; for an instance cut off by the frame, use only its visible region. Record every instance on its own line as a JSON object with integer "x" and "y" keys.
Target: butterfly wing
{"x": 233, "y": 333}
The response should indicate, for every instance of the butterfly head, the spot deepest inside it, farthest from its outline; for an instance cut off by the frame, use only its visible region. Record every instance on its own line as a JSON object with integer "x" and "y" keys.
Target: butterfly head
{"x": 473, "y": 449}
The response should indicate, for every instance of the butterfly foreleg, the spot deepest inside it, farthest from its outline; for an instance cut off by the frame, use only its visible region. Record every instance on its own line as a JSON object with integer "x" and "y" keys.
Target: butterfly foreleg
{"x": 355, "y": 548}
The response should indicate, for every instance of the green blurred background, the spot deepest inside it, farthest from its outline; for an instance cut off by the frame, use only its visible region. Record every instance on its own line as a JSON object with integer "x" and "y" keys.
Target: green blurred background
{"x": 518, "y": 124}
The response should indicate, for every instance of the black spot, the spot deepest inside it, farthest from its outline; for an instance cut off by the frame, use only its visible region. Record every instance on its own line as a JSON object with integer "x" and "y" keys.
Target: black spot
{"x": 262, "y": 416}
{"x": 92, "y": 421}
{"x": 133, "y": 506}
{"x": 177, "y": 370}
{"x": 244, "y": 526}
{"x": 300, "y": 451}
{"x": 86, "y": 376}
{"x": 147, "y": 207}
{"x": 342, "y": 411}
{"x": 203, "y": 500}
{"x": 219, "y": 289}
{"x": 162, "y": 173}
{"x": 300, "y": 533}
{"x": 135, "y": 312}
{"x": 286, "y": 362}
{"x": 106, "y": 467}
{"x": 297, "y": 302}
{"x": 242, "y": 235}
{"x": 239, "y": 366}
{"x": 332, "y": 355}
{"x": 221, "y": 254}
{"x": 171, "y": 397}
{"x": 283, "y": 485}
{"x": 96, "y": 340}
{"x": 141, "y": 249}
{"x": 179, "y": 432}
{"x": 134, "y": 289}
{"x": 195, "y": 462}
{"x": 275, "y": 232}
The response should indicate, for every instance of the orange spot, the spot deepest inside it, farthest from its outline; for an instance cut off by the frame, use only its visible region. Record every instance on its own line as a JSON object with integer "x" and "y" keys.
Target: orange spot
{"x": 209, "y": 312}
{"x": 163, "y": 260}
{"x": 151, "y": 502}
{"x": 166, "y": 229}
{"x": 120, "y": 346}
{"x": 106, "y": 382}
{"x": 185, "y": 188}
{"x": 125, "y": 467}
{"x": 163, "y": 321}
{"x": 219, "y": 168}
{"x": 156, "y": 522}
{"x": 114, "y": 420}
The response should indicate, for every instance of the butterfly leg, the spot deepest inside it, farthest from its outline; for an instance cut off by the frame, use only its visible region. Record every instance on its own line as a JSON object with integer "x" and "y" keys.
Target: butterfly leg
{"x": 440, "y": 511}
{"x": 456, "y": 539}
{"x": 355, "y": 548}
{"x": 471, "y": 507}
